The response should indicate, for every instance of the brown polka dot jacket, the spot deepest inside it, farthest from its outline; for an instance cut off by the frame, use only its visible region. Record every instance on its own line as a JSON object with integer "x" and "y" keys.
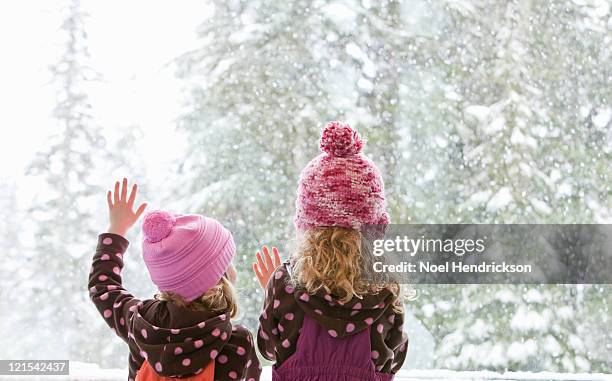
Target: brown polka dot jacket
{"x": 175, "y": 341}
{"x": 285, "y": 308}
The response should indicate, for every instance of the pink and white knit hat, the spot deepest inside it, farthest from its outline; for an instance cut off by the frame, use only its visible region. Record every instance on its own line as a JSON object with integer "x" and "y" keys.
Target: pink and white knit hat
{"x": 185, "y": 254}
{"x": 341, "y": 186}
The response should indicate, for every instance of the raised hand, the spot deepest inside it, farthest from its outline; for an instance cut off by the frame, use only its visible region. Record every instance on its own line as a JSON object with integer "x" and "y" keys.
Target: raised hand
{"x": 120, "y": 208}
{"x": 264, "y": 267}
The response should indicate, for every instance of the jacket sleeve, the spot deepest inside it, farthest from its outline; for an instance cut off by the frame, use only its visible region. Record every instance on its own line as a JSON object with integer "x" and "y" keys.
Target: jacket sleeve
{"x": 242, "y": 362}
{"x": 397, "y": 341}
{"x": 268, "y": 336}
{"x": 106, "y": 291}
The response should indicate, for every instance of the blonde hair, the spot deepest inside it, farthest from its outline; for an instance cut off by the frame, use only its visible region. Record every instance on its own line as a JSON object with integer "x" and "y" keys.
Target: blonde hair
{"x": 221, "y": 299}
{"x": 330, "y": 259}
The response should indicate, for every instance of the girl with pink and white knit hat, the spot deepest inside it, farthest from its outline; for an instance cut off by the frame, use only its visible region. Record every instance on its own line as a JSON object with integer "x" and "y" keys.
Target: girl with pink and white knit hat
{"x": 321, "y": 319}
{"x": 186, "y": 331}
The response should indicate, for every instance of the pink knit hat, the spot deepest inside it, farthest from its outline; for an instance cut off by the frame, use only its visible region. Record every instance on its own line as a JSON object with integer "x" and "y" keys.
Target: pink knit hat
{"x": 340, "y": 187}
{"x": 185, "y": 254}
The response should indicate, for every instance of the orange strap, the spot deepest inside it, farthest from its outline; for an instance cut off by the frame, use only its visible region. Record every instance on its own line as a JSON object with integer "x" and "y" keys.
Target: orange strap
{"x": 147, "y": 373}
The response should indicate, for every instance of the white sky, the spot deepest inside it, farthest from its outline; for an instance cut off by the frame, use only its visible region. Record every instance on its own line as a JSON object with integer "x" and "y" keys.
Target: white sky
{"x": 130, "y": 43}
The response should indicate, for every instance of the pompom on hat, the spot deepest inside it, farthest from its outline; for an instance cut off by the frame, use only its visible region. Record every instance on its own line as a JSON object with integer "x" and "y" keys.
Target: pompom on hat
{"x": 341, "y": 186}
{"x": 185, "y": 254}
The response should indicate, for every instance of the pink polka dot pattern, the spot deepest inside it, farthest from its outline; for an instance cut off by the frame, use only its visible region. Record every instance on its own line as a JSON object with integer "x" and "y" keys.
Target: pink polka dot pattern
{"x": 108, "y": 313}
{"x": 289, "y": 289}
{"x": 178, "y": 350}
{"x": 380, "y": 328}
{"x": 102, "y": 278}
{"x": 198, "y": 343}
{"x": 305, "y": 297}
{"x": 369, "y": 321}
{"x": 264, "y": 335}
{"x": 107, "y": 241}
{"x": 104, "y": 296}
{"x": 143, "y": 332}
{"x": 289, "y": 316}
{"x": 241, "y": 351}
{"x": 122, "y": 321}
{"x": 276, "y": 303}
{"x": 357, "y": 306}
{"x": 214, "y": 353}
{"x": 105, "y": 257}
{"x": 332, "y": 333}
{"x": 375, "y": 355}
{"x": 286, "y": 343}
{"x": 186, "y": 362}
{"x": 144, "y": 355}
{"x": 233, "y": 375}
{"x": 224, "y": 336}
{"x": 175, "y": 331}
{"x": 117, "y": 270}
{"x": 222, "y": 359}
{"x": 158, "y": 367}
{"x": 350, "y": 327}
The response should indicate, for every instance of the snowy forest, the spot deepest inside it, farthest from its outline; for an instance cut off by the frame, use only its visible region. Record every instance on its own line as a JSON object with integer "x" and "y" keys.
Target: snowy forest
{"x": 476, "y": 111}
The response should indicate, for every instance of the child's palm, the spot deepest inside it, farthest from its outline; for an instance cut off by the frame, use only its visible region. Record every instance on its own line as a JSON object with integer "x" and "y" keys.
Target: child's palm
{"x": 264, "y": 267}
{"x": 120, "y": 208}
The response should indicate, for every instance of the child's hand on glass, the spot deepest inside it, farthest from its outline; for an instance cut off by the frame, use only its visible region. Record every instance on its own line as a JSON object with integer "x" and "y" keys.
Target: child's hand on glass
{"x": 264, "y": 267}
{"x": 120, "y": 208}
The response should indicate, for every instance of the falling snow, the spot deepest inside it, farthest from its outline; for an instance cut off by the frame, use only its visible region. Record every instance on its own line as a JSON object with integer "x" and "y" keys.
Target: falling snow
{"x": 475, "y": 111}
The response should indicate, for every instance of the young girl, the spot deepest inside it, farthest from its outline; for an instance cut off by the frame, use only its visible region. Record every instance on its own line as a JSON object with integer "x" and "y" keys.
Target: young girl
{"x": 185, "y": 331}
{"x": 321, "y": 319}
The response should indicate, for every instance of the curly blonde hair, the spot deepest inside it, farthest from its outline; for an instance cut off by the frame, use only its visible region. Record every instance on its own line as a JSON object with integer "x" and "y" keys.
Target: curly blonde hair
{"x": 221, "y": 299}
{"x": 330, "y": 259}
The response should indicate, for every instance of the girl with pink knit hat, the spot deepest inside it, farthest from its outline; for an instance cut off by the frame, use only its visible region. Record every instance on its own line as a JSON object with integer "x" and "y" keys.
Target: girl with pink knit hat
{"x": 322, "y": 320}
{"x": 186, "y": 331}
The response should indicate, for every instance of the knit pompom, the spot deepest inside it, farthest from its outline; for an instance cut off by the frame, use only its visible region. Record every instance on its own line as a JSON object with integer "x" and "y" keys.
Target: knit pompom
{"x": 157, "y": 225}
{"x": 340, "y": 140}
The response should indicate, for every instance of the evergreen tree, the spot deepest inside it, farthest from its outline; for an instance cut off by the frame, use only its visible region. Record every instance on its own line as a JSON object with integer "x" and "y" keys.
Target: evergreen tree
{"x": 66, "y": 215}
{"x": 525, "y": 156}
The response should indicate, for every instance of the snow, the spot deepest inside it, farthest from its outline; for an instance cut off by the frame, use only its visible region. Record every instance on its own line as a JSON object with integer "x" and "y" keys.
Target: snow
{"x": 500, "y": 200}
{"x": 602, "y": 118}
{"x": 478, "y": 111}
{"x": 525, "y": 320}
{"x": 475, "y": 111}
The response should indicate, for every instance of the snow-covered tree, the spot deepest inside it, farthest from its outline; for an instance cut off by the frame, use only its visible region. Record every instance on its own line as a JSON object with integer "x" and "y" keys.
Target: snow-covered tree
{"x": 526, "y": 157}
{"x": 68, "y": 176}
